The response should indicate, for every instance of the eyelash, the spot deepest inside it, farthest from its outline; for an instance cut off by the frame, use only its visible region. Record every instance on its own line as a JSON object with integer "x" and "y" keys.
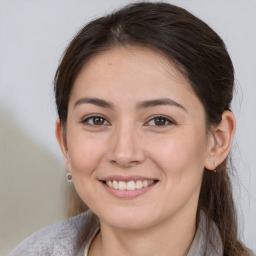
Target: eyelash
{"x": 86, "y": 120}
{"x": 164, "y": 118}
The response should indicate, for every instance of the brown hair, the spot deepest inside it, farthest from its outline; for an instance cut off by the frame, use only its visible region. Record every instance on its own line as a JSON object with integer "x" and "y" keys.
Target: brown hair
{"x": 198, "y": 52}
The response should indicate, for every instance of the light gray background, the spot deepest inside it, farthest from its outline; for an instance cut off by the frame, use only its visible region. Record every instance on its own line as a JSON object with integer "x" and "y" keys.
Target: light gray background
{"x": 33, "y": 35}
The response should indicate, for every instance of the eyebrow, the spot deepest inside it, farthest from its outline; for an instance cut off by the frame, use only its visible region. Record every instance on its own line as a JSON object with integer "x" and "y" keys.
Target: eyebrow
{"x": 95, "y": 101}
{"x": 140, "y": 105}
{"x": 157, "y": 102}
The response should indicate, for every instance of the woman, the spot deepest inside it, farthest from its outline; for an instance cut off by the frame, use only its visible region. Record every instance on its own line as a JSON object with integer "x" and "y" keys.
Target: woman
{"x": 145, "y": 127}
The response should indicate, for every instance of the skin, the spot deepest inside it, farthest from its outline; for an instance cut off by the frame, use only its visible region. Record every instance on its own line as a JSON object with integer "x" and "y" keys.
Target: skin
{"x": 129, "y": 141}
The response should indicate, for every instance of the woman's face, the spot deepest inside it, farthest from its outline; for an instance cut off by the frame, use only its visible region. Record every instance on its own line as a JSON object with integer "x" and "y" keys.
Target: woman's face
{"x": 136, "y": 141}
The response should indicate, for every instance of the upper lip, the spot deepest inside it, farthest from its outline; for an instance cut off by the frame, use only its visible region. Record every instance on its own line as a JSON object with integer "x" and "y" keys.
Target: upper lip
{"x": 126, "y": 178}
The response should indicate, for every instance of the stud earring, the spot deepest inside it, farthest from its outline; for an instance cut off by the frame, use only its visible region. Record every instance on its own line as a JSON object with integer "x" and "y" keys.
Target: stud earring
{"x": 69, "y": 177}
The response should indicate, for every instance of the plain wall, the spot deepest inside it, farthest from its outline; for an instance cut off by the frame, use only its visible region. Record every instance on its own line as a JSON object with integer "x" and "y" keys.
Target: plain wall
{"x": 33, "y": 35}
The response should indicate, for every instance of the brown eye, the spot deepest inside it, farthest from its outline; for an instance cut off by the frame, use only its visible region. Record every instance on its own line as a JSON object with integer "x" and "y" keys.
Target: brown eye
{"x": 98, "y": 120}
{"x": 160, "y": 121}
{"x": 95, "y": 121}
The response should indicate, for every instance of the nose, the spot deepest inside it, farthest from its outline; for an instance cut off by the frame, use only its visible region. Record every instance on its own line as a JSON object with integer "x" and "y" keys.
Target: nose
{"x": 126, "y": 147}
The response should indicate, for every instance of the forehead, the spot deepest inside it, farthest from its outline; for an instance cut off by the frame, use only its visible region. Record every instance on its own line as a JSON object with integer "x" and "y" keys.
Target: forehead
{"x": 130, "y": 66}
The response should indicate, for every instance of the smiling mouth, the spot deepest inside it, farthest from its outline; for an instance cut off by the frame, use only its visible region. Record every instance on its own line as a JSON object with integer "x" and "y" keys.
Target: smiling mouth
{"x": 129, "y": 185}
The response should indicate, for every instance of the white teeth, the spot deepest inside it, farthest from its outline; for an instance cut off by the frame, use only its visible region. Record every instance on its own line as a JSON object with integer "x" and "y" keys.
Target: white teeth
{"x": 115, "y": 184}
{"x": 130, "y": 185}
{"x": 138, "y": 184}
{"x": 110, "y": 183}
{"x": 122, "y": 185}
{"x": 145, "y": 183}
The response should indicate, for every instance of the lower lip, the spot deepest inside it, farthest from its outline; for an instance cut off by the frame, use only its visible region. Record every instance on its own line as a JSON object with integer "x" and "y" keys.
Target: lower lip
{"x": 128, "y": 194}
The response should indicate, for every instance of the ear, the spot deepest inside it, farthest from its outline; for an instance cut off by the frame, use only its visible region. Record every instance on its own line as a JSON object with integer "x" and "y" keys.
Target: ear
{"x": 62, "y": 144}
{"x": 220, "y": 140}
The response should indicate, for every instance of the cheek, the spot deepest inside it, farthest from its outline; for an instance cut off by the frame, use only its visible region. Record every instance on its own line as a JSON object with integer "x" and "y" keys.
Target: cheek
{"x": 179, "y": 154}
{"x": 182, "y": 162}
{"x": 85, "y": 153}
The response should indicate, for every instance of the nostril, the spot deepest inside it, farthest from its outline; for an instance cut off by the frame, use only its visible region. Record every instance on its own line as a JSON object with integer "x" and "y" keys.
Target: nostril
{"x": 123, "y": 163}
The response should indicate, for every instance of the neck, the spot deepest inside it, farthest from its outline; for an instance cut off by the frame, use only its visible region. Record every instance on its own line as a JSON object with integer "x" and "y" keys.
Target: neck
{"x": 172, "y": 237}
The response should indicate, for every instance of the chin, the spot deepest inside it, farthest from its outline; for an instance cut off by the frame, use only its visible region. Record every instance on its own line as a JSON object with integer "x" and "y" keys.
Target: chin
{"x": 130, "y": 225}
{"x": 128, "y": 221}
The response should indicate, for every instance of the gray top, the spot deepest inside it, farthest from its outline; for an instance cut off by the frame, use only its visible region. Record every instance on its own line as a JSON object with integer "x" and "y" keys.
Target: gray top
{"x": 73, "y": 236}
